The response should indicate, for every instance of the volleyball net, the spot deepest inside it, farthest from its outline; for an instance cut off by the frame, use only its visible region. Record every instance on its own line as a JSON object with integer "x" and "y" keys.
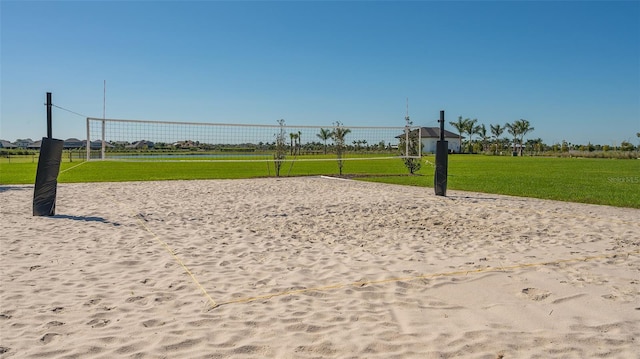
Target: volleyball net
{"x": 137, "y": 140}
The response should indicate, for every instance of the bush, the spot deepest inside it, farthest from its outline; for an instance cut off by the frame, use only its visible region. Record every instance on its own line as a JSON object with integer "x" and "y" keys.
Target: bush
{"x": 16, "y": 152}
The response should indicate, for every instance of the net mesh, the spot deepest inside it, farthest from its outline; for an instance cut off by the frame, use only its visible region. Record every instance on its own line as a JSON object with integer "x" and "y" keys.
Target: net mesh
{"x": 135, "y": 140}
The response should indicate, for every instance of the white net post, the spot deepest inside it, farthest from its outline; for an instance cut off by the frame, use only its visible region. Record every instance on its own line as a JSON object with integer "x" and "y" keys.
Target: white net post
{"x": 419, "y": 142}
{"x": 102, "y": 140}
{"x": 88, "y": 140}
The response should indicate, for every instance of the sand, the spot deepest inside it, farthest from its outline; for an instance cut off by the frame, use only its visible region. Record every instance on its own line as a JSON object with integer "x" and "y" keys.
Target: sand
{"x": 314, "y": 268}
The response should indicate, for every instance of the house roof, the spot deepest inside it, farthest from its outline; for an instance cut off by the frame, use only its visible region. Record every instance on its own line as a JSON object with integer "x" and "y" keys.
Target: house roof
{"x": 73, "y": 143}
{"x": 7, "y": 144}
{"x": 36, "y": 144}
{"x": 434, "y": 132}
{"x": 97, "y": 144}
{"x": 140, "y": 144}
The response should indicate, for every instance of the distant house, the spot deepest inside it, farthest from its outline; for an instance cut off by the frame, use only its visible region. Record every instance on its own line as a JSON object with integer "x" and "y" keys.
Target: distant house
{"x": 96, "y": 145}
{"x": 184, "y": 144}
{"x": 24, "y": 143}
{"x": 73, "y": 143}
{"x": 431, "y": 135}
{"x": 141, "y": 145}
{"x": 7, "y": 144}
{"x": 35, "y": 145}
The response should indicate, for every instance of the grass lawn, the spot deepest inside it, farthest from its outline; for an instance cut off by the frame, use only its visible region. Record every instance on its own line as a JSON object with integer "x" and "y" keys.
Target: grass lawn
{"x": 598, "y": 181}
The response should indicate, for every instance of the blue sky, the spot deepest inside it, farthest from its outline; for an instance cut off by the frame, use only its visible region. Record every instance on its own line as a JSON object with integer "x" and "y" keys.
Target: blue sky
{"x": 571, "y": 68}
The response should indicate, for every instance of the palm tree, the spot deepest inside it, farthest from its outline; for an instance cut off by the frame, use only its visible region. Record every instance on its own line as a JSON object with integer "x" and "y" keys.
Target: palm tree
{"x": 293, "y": 137}
{"x": 524, "y": 127}
{"x": 513, "y": 129}
{"x": 459, "y": 126}
{"x": 482, "y": 131}
{"x": 324, "y": 135}
{"x": 497, "y": 131}
{"x": 536, "y": 145}
{"x": 281, "y": 149}
{"x": 338, "y": 135}
{"x": 471, "y": 128}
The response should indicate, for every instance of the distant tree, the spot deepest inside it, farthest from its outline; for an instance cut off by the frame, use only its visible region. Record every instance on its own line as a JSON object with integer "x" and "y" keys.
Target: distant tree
{"x": 460, "y": 127}
{"x": 484, "y": 137}
{"x": 535, "y": 146}
{"x": 338, "y": 134}
{"x": 324, "y": 135}
{"x": 471, "y": 129}
{"x": 279, "y": 156}
{"x": 627, "y": 146}
{"x": 294, "y": 141}
{"x": 524, "y": 127}
{"x": 512, "y": 129}
{"x": 496, "y": 131}
{"x": 410, "y": 145}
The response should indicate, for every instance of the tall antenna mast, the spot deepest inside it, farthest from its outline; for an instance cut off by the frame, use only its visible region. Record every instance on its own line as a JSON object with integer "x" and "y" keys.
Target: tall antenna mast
{"x": 104, "y": 100}
{"x": 407, "y": 118}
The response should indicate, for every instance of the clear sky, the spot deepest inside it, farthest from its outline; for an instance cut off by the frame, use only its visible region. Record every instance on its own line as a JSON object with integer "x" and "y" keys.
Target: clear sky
{"x": 571, "y": 68}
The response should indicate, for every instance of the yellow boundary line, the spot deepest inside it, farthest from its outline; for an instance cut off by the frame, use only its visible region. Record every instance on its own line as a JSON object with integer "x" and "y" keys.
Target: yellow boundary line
{"x": 177, "y": 259}
{"x": 214, "y": 304}
{"x": 70, "y": 168}
{"x": 141, "y": 222}
{"x": 424, "y": 276}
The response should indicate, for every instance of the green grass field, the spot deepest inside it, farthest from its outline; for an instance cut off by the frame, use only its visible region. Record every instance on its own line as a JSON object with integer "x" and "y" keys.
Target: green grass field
{"x": 597, "y": 181}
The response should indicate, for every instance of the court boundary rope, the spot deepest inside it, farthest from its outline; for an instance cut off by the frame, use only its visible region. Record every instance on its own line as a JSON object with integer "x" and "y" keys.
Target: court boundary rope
{"x": 424, "y": 276}
{"x": 213, "y": 304}
{"x": 139, "y": 218}
{"x": 72, "y": 167}
{"x": 141, "y": 221}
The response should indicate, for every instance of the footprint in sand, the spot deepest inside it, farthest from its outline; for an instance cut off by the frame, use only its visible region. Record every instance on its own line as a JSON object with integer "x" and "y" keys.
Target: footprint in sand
{"x": 134, "y": 299}
{"x": 536, "y": 294}
{"x": 47, "y": 338}
{"x": 54, "y": 323}
{"x": 98, "y": 323}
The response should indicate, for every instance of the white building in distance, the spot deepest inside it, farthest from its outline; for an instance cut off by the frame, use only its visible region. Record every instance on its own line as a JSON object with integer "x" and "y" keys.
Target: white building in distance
{"x": 431, "y": 135}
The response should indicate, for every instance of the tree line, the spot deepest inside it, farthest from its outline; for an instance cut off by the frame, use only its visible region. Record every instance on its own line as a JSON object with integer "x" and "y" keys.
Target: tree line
{"x": 517, "y": 129}
{"x": 492, "y": 141}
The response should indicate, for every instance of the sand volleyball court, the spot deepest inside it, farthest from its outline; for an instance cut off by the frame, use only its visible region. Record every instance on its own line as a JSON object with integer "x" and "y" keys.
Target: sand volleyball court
{"x": 314, "y": 268}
